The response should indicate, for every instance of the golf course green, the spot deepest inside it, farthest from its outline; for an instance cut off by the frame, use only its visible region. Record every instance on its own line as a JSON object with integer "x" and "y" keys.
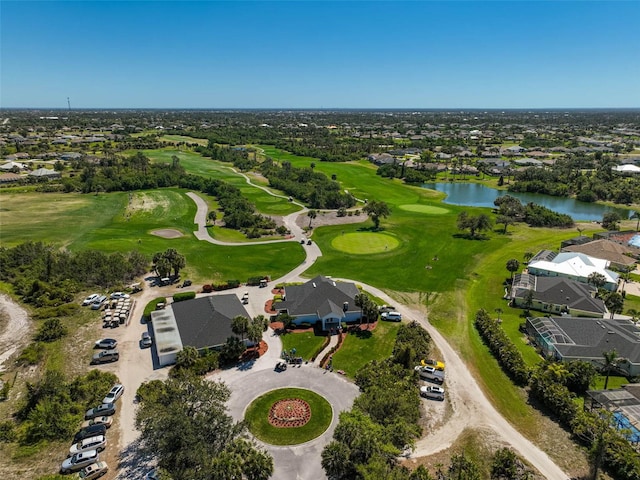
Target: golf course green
{"x": 428, "y": 209}
{"x": 363, "y": 243}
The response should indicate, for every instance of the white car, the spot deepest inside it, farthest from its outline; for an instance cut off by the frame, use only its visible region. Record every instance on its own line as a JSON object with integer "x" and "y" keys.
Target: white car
{"x": 98, "y": 443}
{"x": 106, "y": 421}
{"x": 115, "y": 393}
{"x": 433, "y": 392}
{"x": 95, "y": 470}
{"x": 117, "y": 295}
{"x": 90, "y": 299}
{"x": 79, "y": 460}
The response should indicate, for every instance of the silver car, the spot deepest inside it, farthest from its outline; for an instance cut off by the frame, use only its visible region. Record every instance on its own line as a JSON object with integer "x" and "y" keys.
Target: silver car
{"x": 79, "y": 460}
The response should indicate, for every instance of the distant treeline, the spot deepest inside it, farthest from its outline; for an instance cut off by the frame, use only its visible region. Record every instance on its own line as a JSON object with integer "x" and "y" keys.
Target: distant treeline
{"x": 314, "y": 188}
{"x": 589, "y": 179}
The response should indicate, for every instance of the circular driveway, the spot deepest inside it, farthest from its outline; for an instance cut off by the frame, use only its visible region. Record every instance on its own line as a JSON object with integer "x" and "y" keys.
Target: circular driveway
{"x": 293, "y": 461}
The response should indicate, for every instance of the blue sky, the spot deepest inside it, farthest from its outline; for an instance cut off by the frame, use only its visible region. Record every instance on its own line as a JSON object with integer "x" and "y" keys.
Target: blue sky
{"x": 329, "y": 54}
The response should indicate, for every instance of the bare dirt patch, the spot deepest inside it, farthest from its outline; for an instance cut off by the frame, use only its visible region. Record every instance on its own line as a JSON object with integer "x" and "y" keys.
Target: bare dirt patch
{"x": 329, "y": 218}
{"x": 167, "y": 233}
{"x": 14, "y": 328}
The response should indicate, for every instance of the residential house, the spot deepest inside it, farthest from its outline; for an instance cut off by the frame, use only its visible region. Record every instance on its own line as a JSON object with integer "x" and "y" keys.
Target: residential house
{"x": 45, "y": 173}
{"x": 556, "y": 295}
{"x": 572, "y": 265}
{"x": 569, "y": 338}
{"x": 619, "y": 256}
{"x": 320, "y": 300}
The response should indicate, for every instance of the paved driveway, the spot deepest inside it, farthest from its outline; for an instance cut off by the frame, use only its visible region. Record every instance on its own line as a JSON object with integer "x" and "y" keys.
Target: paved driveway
{"x": 298, "y": 461}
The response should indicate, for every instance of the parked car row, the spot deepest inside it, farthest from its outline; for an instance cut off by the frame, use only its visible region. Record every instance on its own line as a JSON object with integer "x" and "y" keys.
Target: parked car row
{"x": 432, "y": 371}
{"x": 84, "y": 453}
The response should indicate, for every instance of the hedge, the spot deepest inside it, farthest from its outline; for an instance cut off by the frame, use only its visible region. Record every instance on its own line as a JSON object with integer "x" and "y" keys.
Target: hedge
{"x": 182, "y": 296}
{"x": 502, "y": 348}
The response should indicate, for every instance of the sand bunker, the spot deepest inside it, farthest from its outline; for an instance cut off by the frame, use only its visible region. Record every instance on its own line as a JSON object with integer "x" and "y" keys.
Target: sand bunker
{"x": 167, "y": 233}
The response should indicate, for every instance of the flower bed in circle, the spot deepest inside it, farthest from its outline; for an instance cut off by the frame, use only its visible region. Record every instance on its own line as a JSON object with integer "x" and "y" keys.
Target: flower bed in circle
{"x": 289, "y": 413}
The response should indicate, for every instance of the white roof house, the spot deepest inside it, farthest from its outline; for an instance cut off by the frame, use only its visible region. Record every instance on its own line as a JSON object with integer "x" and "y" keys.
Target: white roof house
{"x": 627, "y": 168}
{"x": 10, "y": 165}
{"x": 573, "y": 265}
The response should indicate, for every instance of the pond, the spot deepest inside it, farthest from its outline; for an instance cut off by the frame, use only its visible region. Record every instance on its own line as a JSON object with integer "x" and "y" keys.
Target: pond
{"x": 478, "y": 195}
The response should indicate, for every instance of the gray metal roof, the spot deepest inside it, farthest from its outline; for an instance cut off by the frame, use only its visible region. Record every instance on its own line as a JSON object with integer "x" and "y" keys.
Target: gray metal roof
{"x": 559, "y": 291}
{"x": 311, "y": 297}
{"x": 588, "y": 338}
{"x": 206, "y": 322}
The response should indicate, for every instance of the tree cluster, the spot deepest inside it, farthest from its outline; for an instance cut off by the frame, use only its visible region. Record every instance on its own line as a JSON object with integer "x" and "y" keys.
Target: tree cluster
{"x": 384, "y": 417}
{"x": 473, "y": 223}
{"x": 168, "y": 261}
{"x": 511, "y": 210}
{"x": 314, "y": 188}
{"x": 45, "y": 276}
{"x": 184, "y": 423}
{"x": 53, "y": 407}
{"x": 588, "y": 178}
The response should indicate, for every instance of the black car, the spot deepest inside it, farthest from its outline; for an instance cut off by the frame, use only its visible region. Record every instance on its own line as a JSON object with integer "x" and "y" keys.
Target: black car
{"x": 92, "y": 431}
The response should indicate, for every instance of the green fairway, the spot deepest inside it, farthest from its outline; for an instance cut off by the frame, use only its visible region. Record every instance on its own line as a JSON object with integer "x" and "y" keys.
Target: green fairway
{"x": 196, "y": 164}
{"x": 430, "y": 256}
{"x": 428, "y": 209}
{"x": 257, "y": 417}
{"x": 114, "y": 223}
{"x": 363, "y": 243}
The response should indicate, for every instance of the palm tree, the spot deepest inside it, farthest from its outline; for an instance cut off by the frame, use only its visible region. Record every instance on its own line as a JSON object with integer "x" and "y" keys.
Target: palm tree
{"x": 240, "y": 326}
{"x": 512, "y": 266}
{"x": 311, "y": 214}
{"x": 610, "y": 361}
{"x": 634, "y": 314}
{"x": 636, "y": 215}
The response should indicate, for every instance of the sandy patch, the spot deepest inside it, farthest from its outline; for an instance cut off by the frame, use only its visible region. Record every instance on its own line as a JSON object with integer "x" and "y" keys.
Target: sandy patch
{"x": 167, "y": 233}
{"x": 14, "y": 328}
{"x": 330, "y": 218}
{"x": 143, "y": 202}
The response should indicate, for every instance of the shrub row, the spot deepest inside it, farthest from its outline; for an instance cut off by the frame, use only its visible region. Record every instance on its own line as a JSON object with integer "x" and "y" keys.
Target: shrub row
{"x": 226, "y": 285}
{"x": 182, "y": 296}
{"x": 502, "y": 348}
{"x": 333, "y": 350}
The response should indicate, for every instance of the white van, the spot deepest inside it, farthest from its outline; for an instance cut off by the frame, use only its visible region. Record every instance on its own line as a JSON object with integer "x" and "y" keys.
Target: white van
{"x": 392, "y": 316}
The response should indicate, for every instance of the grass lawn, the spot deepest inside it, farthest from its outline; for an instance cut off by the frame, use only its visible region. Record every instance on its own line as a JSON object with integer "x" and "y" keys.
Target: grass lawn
{"x": 305, "y": 343}
{"x": 358, "y": 350}
{"x": 121, "y": 226}
{"x": 614, "y": 382}
{"x": 198, "y": 165}
{"x": 257, "y": 418}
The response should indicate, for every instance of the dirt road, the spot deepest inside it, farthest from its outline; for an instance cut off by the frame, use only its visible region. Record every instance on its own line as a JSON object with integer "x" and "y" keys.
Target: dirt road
{"x": 15, "y": 326}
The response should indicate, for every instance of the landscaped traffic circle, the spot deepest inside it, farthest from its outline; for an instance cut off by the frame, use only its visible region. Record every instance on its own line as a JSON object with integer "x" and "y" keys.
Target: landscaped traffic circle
{"x": 288, "y": 416}
{"x": 363, "y": 243}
